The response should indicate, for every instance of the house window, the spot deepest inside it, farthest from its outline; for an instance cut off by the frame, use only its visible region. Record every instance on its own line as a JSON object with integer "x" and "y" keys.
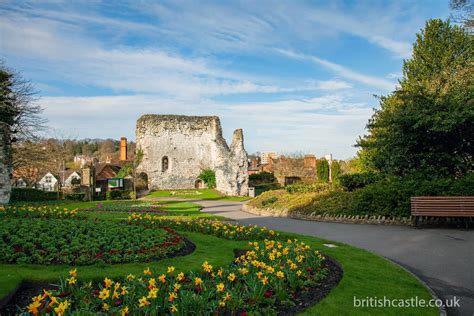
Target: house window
{"x": 164, "y": 164}
{"x": 47, "y": 179}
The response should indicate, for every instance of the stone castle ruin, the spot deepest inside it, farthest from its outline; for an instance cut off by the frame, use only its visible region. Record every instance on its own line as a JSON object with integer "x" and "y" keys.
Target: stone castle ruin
{"x": 5, "y": 164}
{"x": 177, "y": 148}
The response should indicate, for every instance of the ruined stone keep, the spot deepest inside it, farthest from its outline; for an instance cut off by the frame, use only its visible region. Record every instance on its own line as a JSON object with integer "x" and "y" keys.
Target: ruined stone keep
{"x": 5, "y": 164}
{"x": 177, "y": 148}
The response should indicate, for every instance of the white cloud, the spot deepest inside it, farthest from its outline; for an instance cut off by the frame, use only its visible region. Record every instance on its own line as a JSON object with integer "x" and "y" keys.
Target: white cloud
{"x": 317, "y": 125}
{"x": 342, "y": 71}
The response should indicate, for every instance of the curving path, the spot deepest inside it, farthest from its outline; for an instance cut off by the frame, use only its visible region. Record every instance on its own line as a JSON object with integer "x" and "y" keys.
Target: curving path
{"x": 443, "y": 258}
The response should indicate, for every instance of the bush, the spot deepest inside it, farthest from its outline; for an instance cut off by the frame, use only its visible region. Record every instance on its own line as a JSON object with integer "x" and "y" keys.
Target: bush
{"x": 322, "y": 170}
{"x": 262, "y": 177}
{"x": 118, "y": 195}
{"x": 76, "y": 196}
{"x": 260, "y": 188}
{"x": 208, "y": 176}
{"x": 335, "y": 171}
{"x": 29, "y": 194}
{"x": 306, "y": 188}
{"x": 354, "y": 181}
{"x": 269, "y": 201}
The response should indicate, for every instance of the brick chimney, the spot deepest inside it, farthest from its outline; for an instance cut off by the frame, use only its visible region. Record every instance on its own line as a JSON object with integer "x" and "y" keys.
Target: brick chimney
{"x": 123, "y": 148}
{"x": 310, "y": 161}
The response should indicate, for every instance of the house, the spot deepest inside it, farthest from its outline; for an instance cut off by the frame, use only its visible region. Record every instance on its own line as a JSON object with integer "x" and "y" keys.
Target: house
{"x": 48, "y": 182}
{"x": 70, "y": 178}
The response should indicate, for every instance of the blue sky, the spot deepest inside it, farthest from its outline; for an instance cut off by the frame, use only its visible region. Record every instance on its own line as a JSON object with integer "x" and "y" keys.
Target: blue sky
{"x": 297, "y": 76}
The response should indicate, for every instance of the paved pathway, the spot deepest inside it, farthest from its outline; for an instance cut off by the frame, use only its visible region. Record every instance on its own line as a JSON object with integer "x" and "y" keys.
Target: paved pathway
{"x": 443, "y": 258}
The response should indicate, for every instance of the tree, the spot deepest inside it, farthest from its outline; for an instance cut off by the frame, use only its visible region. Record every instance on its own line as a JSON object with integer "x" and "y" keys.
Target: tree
{"x": 17, "y": 105}
{"x": 335, "y": 171}
{"x": 425, "y": 126}
{"x": 208, "y": 176}
{"x": 322, "y": 170}
{"x": 464, "y": 14}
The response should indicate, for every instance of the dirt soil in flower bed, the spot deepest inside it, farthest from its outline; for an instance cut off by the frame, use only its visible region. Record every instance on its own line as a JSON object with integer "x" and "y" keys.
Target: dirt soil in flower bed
{"x": 21, "y": 297}
{"x": 310, "y": 296}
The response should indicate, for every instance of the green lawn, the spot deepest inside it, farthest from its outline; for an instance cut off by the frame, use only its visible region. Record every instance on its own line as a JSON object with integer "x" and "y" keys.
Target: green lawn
{"x": 201, "y": 194}
{"x": 365, "y": 274}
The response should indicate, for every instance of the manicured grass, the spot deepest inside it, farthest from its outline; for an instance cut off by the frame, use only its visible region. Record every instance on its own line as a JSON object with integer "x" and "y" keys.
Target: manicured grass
{"x": 365, "y": 274}
{"x": 201, "y": 194}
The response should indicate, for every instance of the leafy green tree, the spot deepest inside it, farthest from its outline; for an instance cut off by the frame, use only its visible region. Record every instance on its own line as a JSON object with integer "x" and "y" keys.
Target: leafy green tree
{"x": 322, "y": 170}
{"x": 335, "y": 171}
{"x": 208, "y": 176}
{"x": 426, "y": 125}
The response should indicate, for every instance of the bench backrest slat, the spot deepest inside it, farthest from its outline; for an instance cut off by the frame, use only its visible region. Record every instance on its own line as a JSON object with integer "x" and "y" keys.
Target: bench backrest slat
{"x": 462, "y": 206}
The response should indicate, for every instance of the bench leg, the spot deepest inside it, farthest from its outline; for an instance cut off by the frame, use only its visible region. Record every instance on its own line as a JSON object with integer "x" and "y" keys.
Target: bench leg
{"x": 415, "y": 221}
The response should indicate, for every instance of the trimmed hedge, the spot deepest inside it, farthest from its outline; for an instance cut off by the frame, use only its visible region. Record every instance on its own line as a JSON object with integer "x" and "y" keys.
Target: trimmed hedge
{"x": 76, "y": 196}
{"x": 119, "y": 195}
{"x": 31, "y": 195}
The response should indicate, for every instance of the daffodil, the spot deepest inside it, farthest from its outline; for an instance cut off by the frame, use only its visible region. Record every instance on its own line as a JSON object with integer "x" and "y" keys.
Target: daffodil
{"x": 104, "y": 294}
{"x": 147, "y": 271}
{"x": 73, "y": 273}
{"x": 197, "y": 281}
{"x": 170, "y": 269}
{"x": 33, "y": 307}
{"x": 143, "y": 302}
{"x": 107, "y": 282}
{"x": 124, "y": 311}
{"x": 162, "y": 278}
{"x": 173, "y": 308}
{"x": 231, "y": 277}
{"x": 172, "y": 296}
{"x": 220, "y": 287}
{"x": 280, "y": 274}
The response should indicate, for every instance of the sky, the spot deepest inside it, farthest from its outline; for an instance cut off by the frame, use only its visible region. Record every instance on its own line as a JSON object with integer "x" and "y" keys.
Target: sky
{"x": 297, "y": 76}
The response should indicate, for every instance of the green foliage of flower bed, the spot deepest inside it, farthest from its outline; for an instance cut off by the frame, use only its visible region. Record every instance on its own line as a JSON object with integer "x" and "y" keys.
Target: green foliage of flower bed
{"x": 72, "y": 241}
{"x": 206, "y": 226}
{"x": 29, "y": 194}
{"x": 141, "y": 207}
{"x": 260, "y": 282}
{"x": 47, "y": 211}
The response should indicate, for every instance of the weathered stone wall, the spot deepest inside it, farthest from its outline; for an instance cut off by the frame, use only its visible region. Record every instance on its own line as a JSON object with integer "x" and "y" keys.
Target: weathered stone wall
{"x": 190, "y": 144}
{"x": 5, "y": 164}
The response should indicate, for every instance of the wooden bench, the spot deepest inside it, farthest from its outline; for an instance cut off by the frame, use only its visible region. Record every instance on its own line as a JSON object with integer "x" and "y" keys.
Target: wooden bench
{"x": 442, "y": 206}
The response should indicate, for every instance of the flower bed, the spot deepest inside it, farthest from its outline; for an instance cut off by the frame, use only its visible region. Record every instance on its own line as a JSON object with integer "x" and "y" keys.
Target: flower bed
{"x": 37, "y": 211}
{"x": 126, "y": 207}
{"x": 260, "y": 282}
{"x": 207, "y": 226}
{"x": 81, "y": 242}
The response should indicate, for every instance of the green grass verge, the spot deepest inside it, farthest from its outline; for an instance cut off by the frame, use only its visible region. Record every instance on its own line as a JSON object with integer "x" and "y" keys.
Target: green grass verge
{"x": 201, "y": 194}
{"x": 365, "y": 274}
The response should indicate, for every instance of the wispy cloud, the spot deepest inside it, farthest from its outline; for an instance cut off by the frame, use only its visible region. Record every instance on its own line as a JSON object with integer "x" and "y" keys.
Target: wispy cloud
{"x": 341, "y": 70}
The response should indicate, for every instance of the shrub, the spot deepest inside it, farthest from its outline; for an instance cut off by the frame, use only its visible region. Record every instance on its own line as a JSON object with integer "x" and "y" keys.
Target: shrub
{"x": 322, "y": 170}
{"x": 76, "y": 196}
{"x": 354, "y": 181}
{"x": 208, "y": 176}
{"x": 118, "y": 195}
{"x": 262, "y": 177}
{"x": 260, "y": 188}
{"x": 335, "y": 171}
{"x": 269, "y": 201}
{"x": 29, "y": 194}
{"x": 306, "y": 188}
